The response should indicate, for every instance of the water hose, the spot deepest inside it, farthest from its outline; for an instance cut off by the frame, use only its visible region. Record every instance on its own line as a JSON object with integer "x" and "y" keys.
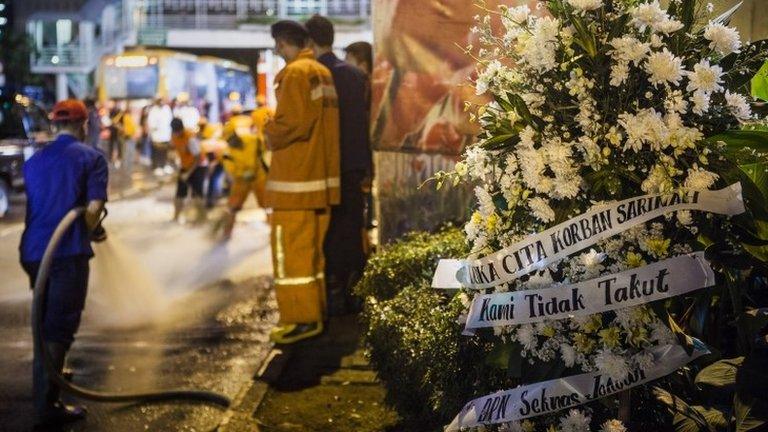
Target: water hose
{"x": 38, "y": 300}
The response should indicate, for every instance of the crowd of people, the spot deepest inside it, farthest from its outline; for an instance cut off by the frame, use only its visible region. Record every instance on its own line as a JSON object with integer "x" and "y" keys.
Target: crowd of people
{"x": 308, "y": 162}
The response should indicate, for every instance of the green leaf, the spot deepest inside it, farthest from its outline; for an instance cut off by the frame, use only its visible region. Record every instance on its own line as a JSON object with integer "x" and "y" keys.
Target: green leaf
{"x": 499, "y": 356}
{"x": 745, "y": 420}
{"x": 720, "y": 374}
{"x": 687, "y": 418}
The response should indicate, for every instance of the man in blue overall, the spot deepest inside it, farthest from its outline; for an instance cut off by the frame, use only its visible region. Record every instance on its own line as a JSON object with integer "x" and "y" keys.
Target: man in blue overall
{"x": 65, "y": 174}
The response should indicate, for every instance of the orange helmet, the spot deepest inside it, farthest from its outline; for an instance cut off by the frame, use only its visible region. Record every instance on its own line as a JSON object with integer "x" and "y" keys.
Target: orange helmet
{"x": 69, "y": 110}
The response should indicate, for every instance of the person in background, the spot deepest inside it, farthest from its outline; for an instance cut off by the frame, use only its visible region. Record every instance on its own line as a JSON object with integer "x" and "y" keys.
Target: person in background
{"x": 303, "y": 182}
{"x": 159, "y": 119}
{"x": 115, "y": 142}
{"x": 192, "y": 170}
{"x": 244, "y": 162}
{"x": 344, "y": 252}
{"x": 360, "y": 55}
{"x": 261, "y": 115}
{"x": 63, "y": 175}
{"x": 186, "y": 112}
{"x": 213, "y": 148}
{"x": 129, "y": 134}
{"x": 93, "y": 131}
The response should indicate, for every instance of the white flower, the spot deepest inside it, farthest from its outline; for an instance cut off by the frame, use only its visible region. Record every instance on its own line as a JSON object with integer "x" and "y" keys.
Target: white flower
{"x": 647, "y": 14}
{"x": 586, "y": 5}
{"x": 724, "y": 40}
{"x": 484, "y": 198}
{"x": 699, "y": 179}
{"x": 646, "y": 127}
{"x": 517, "y": 15}
{"x": 644, "y": 360}
{"x": 701, "y": 102}
{"x": 613, "y": 365}
{"x": 684, "y": 217}
{"x": 664, "y": 67}
{"x": 667, "y": 26}
{"x": 568, "y": 354}
{"x": 739, "y": 105}
{"x": 538, "y": 49}
{"x": 574, "y": 421}
{"x": 526, "y": 336}
{"x": 613, "y": 426}
{"x": 541, "y": 209}
{"x": 705, "y": 77}
{"x": 628, "y": 49}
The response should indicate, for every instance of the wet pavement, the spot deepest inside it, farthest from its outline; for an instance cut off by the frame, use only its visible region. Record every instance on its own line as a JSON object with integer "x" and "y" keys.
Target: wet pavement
{"x": 169, "y": 306}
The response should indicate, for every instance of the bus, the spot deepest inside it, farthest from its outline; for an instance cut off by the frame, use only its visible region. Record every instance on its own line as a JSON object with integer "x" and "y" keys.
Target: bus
{"x": 140, "y": 75}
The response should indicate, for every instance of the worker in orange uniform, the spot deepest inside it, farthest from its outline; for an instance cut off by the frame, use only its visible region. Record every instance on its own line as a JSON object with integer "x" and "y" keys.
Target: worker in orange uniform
{"x": 261, "y": 114}
{"x": 192, "y": 170}
{"x": 303, "y": 182}
{"x": 244, "y": 161}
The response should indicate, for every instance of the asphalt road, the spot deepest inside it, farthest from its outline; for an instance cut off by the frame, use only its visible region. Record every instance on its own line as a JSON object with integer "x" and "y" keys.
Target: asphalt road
{"x": 169, "y": 306}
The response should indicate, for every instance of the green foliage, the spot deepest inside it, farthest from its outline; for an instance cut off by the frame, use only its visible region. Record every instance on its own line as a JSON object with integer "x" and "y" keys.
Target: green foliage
{"x": 409, "y": 262}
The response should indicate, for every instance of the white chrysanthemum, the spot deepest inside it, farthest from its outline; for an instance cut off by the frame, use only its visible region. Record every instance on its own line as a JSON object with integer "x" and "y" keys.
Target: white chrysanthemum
{"x": 646, "y": 127}
{"x": 568, "y": 354}
{"x": 538, "y": 49}
{"x": 516, "y": 15}
{"x": 738, "y": 105}
{"x": 724, "y": 40}
{"x": 586, "y": 5}
{"x": 613, "y": 426}
{"x": 613, "y": 365}
{"x": 526, "y": 336}
{"x": 619, "y": 73}
{"x": 574, "y": 421}
{"x": 684, "y": 217}
{"x": 667, "y": 26}
{"x": 629, "y": 49}
{"x": 701, "y": 102}
{"x": 705, "y": 77}
{"x": 485, "y": 201}
{"x": 644, "y": 360}
{"x": 647, "y": 14}
{"x": 664, "y": 67}
{"x": 699, "y": 179}
{"x": 541, "y": 209}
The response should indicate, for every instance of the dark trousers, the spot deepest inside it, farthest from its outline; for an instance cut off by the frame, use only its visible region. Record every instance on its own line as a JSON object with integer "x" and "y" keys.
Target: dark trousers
{"x": 344, "y": 255}
{"x": 67, "y": 288}
{"x": 194, "y": 183}
{"x": 214, "y": 185}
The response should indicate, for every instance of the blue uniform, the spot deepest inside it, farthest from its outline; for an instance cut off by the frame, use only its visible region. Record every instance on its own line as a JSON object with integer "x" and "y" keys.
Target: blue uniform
{"x": 63, "y": 175}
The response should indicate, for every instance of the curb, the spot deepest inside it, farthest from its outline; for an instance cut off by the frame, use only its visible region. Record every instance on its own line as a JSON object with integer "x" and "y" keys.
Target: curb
{"x": 240, "y": 416}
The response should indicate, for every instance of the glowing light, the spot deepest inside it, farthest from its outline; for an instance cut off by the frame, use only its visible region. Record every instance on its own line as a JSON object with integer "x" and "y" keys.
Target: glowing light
{"x": 55, "y": 59}
{"x": 234, "y": 96}
{"x": 131, "y": 61}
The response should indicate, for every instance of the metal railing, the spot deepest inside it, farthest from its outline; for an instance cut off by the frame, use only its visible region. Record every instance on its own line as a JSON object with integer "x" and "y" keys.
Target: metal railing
{"x": 63, "y": 57}
{"x": 230, "y": 14}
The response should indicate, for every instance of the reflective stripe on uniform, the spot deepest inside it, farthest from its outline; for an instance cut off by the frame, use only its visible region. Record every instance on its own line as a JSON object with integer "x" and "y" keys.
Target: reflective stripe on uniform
{"x": 303, "y": 186}
{"x": 296, "y": 280}
{"x": 279, "y": 251}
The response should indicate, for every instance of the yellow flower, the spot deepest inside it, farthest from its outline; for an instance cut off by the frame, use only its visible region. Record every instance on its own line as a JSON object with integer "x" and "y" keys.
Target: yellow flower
{"x": 583, "y": 343}
{"x": 461, "y": 168}
{"x": 657, "y": 246}
{"x": 527, "y": 426}
{"x": 477, "y": 218}
{"x": 548, "y": 331}
{"x": 637, "y": 336}
{"x": 634, "y": 260}
{"x": 643, "y": 315}
{"x": 492, "y": 222}
{"x": 610, "y": 336}
{"x": 594, "y": 323}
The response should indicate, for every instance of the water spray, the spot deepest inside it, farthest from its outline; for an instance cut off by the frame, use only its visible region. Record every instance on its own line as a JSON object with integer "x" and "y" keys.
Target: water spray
{"x": 38, "y": 300}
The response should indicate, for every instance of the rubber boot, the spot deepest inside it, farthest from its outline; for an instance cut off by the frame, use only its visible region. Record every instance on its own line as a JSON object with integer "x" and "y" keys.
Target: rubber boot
{"x": 178, "y": 206}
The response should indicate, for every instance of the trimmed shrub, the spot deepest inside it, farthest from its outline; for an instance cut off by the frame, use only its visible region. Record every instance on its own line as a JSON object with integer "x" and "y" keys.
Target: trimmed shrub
{"x": 413, "y": 338}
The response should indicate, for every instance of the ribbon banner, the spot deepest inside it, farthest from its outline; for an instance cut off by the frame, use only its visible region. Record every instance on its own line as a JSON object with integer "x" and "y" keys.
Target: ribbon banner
{"x": 539, "y": 250}
{"x": 660, "y": 280}
{"x": 562, "y": 393}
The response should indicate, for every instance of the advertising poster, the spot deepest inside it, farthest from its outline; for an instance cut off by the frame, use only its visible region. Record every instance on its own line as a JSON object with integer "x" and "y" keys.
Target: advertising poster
{"x": 419, "y": 125}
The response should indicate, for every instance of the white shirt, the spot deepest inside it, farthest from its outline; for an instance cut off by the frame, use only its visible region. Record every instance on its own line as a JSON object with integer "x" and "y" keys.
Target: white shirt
{"x": 189, "y": 115}
{"x": 159, "y": 123}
